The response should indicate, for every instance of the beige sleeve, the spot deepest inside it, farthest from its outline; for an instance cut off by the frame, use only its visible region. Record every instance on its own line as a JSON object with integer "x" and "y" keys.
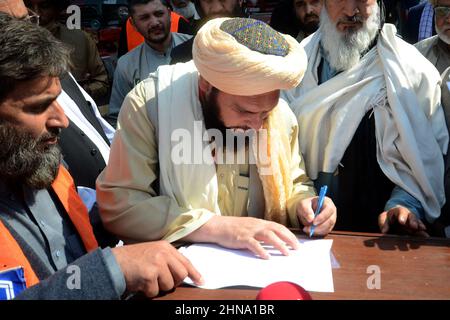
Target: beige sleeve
{"x": 303, "y": 186}
{"x": 127, "y": 191}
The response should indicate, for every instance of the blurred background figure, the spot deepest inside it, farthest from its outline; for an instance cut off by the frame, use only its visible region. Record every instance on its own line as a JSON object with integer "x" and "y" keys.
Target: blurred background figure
{"x": 87, "y": 66}
{"x": 152, "y": 20}
{"x": 298, "y": 18}
{"x": 419, "y": 23}
{"x": 185, "y": 8}
{"x": 283, "y": 18}
{"x": 207, "y": 9}
{"x": 307, "y": 13}
{"x": 437, "y": 48}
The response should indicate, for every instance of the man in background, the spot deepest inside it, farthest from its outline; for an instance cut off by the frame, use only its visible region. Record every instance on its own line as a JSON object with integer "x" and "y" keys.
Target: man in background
{"x": 88, "y": 68}
{"x": 307, "y": 13}
{"x": 151, "y": 18}
{"x": 437, "y": 48}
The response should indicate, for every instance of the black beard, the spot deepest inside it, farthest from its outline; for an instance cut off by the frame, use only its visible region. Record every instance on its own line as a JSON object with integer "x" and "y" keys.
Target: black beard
{"x": 211, "y": 112}
{"x": 25, "y": 160}
{"x": 310, "y": 27}
{"x": 213, "y": 120}
{"x": 160, "y": 40}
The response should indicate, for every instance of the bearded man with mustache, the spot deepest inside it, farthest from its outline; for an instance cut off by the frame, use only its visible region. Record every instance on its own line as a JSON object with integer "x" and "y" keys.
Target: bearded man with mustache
{"x": 175, "y": 172}
{"x": 307, "y": 13}
{"x": 45, "y": 229}
{"x": 371, "y": 124}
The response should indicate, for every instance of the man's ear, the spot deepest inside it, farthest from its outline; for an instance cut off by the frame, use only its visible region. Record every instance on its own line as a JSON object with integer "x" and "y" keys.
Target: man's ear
{"x": 204, "y": 86}
{"x": 132, "y": 23}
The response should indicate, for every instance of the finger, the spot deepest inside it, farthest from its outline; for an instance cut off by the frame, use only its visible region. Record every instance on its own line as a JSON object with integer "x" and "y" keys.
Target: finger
{"x": 422, "y": 226}
{"x": 305, "y": 211}
{"x": 150, "y": 287}
{"x": 412, "y": 223}
{"x": 272, "y": 239}
{"x": 255, "y": 247}
{"x": 422, "y": 234}
{"x": 402, "y": 216}
{"x": 192, "y": 272}
{"x": 383, "y": 222}
{"x": 165, "y": 279}
{"x": 326, "y": 213}
{"x": 178, "y": 271}
{"x": 325, "y": 228}
{"x": 286, "y": 235}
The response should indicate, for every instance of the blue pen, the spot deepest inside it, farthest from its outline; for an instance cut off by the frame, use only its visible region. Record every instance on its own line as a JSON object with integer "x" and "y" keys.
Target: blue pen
{"x": 322, "y": 193}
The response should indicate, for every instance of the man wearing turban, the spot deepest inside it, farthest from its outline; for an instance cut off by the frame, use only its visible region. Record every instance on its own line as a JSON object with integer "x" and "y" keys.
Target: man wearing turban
{"x": 370, "y": 120}
{"x": 172, "y": 172}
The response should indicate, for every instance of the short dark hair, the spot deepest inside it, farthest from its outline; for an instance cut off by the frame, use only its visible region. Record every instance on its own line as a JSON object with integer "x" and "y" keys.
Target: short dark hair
{"x": 27, "y": 53}
{"x": 133, "y": 3}
{"x": 238, "y": 11}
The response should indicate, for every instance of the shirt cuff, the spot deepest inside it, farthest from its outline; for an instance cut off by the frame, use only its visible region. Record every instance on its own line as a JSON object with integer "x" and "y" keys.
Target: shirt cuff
{"x": 187, "y": 223}
{"x": 400, "y": 197}
{"x": 114, "y": 271}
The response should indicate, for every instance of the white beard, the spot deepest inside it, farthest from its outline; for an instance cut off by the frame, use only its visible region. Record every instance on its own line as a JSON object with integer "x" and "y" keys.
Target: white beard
{"x": 343, "y": 50}
{"x": 188, "y": 12}
{"x": 442, "y": 35}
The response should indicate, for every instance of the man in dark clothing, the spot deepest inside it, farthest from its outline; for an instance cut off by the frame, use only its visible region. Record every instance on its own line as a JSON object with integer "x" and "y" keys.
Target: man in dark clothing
{"x": 414, "y": 19}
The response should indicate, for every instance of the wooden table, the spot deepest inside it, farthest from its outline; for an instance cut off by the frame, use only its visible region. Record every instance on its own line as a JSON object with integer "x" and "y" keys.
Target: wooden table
{"x": 411, "y": 268}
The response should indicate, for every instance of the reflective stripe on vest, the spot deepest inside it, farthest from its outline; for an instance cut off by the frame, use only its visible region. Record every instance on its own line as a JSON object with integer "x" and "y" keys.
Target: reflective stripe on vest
{"x": 12, "y": 256}
{"x": 134, "y": 38}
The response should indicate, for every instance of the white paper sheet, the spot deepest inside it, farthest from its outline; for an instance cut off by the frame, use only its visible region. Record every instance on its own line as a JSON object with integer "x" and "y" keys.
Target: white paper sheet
{"x": 309, "y": 266}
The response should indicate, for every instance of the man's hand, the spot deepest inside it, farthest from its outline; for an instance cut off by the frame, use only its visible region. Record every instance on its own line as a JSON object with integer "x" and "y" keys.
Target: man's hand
{"x": 324, "y": 222}
{"x": 404, "y": 219}
{"x": 153, "y": 267}
{"x": 245, "y": 233}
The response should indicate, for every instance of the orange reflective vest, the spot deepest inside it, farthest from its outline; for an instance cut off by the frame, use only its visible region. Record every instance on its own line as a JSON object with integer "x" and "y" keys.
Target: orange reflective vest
{"x": 134, "y": 38}
{"x": 12, "y": 256}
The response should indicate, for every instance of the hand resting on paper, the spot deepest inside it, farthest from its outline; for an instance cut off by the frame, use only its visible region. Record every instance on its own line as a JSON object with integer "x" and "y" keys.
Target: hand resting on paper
{"x": 245, "y": 233}
{"x": 152, "y": 267}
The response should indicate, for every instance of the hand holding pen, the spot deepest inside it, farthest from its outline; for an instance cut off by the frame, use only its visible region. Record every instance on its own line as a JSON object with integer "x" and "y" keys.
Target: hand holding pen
{"x": 317, "y": 214}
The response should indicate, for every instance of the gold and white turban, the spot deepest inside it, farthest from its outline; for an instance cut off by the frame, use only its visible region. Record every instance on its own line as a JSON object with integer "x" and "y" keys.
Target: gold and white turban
{"x": 245, "y": 57}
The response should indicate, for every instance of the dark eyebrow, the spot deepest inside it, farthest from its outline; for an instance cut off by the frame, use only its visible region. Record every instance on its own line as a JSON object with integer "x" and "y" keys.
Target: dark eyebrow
{"x": 239, "y": 108}
{"x": 42, "y": 103}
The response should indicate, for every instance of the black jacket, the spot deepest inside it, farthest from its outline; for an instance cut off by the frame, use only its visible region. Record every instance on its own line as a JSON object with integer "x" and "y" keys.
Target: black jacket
{"x": 82, "y": 156}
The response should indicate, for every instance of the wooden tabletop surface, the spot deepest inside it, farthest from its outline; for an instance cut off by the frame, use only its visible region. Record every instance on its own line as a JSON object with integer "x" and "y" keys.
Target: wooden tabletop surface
{"x": 410, "y": 268}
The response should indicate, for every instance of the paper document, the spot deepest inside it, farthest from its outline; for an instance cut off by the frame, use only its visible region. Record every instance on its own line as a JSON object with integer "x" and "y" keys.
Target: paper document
{"x": 309, "y": 266}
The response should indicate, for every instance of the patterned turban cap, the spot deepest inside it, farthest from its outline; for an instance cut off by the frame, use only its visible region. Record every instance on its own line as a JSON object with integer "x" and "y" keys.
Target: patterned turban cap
{"x": 246, "y": 57}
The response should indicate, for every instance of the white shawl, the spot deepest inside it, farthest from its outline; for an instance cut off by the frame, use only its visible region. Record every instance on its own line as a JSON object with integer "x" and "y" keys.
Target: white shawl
{"x": 403, "y": 89}
{"x": 181, "y": 181}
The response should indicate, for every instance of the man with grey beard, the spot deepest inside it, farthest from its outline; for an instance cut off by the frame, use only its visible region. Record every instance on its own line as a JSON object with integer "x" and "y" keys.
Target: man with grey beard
{"x": 48, "y": 248}
{"x": 371, "y": 125}
{"x": 437, "y": 48}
